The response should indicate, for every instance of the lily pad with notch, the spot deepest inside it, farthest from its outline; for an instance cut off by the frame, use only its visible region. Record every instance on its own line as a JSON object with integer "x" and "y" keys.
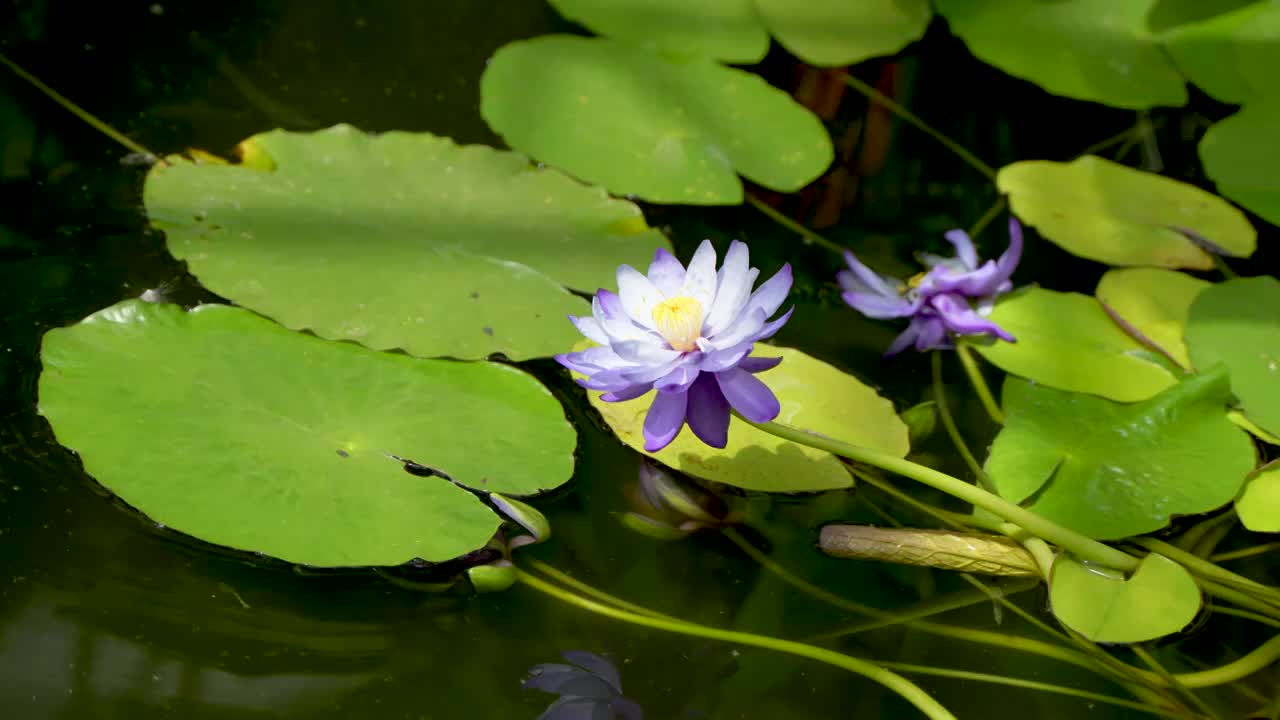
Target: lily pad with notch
{"x": 225, "y": 426}
{"x": 1159, "y": 598}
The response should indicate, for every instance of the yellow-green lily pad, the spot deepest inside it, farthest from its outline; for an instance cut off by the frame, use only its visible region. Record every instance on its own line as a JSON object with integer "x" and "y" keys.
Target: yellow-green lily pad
{"x": 1159, "y": 599}
{"x": 1259, "y": 503}
{"x": 1151, "y": 304}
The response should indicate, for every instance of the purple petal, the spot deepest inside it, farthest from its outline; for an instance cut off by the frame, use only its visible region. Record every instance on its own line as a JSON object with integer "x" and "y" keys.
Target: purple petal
{"x": 627, "y": 393}
{"x": 959, "y": 318}
{"x": 578, "y": 708}
{"x": 748, "y": 395}
{"x": 650, "y": 373}
{"x": 708, "y": 411}
{"x": 771, "y": 329}
{"x": 639, "y": 296}
{"x": 863, "y": 279}
{"x": 932, "y": 335}
{"x": 608, "y": 313}
{"x": 718, "y": 360}
{"x": 626, "y": 708}
{"x": 965, "y": 251}
{"x": 759, "y": 364}
{"x": 589, "y": 327}
{"x": 881, "y": 307}
{"x": 597, "y": 664}
{"x": 607, "y": 381}
{"x": 666, "y": 273}
{"x": 591, "y": 360}
{"x": 904, "y": 339}
{"x": 769, "y": 296}
{"x": 677, "y": 380}
{"x": 567, "y": 680}
{"x": 1008, "y": 261}
{"x": 981, "y": 282}
{"x": 665, "y": 418}
{"x": 700, "y": 278}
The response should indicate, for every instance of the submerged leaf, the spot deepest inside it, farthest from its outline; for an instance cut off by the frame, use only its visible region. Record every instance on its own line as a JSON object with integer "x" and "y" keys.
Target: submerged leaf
{"x": 813, "y": 395}
{"x": 223, "y": 425}
{"x": 1067, "y": 341}
{"x": 727, "y": 30}
{"x": 1071, "y": 458}
{"x": 1237, "y": 323}
{"x": 1159, "y": 599}
{"x": 1100, "y": 210}
{"x": 1151, "y": 304}
{"x": 400, "y": 240}
{"x": 1259, "y": 503}
{"x": 668, "y": 130}
{"x": 1096, "y": 50}
{"x": 1240, "y": 154}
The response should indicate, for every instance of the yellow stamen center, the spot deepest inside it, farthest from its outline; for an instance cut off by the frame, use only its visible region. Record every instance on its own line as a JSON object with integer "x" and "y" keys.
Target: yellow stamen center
{"x": 680, "y": 322}
{"x": 914, "y": 281}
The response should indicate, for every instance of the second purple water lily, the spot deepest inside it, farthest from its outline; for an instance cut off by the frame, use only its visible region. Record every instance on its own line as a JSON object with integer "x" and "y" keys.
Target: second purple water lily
{"x": 952, "y": 298}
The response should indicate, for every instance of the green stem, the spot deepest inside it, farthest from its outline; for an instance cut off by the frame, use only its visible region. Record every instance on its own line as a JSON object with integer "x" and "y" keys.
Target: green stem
{"x": 1209, "y": 571}
{"x": 1030, "y": 685}
{"x": 792, "y": 225}
{"x": 76, "y": 110}
{"x": 908, "y": 690}
{"x": 1070, "y": 540}
{"x": 991, "y": 214}
{"x": 1247, "y": 615}
{"x": 1245, "y": 552}
{"x": 1248, "y": 664}
{"x": 586, "y": 589}
{"x": 910, "y": 117}
{"x": 949, "y": 422}
{"x": 979, "y": 383}
{"x": 1173, "y": 682}
{"x": 1244, "y": 600}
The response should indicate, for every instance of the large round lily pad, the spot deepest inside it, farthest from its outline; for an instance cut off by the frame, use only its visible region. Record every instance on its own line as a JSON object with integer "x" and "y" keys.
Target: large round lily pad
{"x": 832, "y": 33}
{"x": 665, "y": 129}
{"x": 814, "y": 396}
{"x": 1100, "y": 210}
{"x": 401, "y": 240}
{"x": 1240, "y": 154}
{"x": 1151, "y": 304}
{"x": 1231, "y": 55}
{"x": 1159, "y": 599}
{"x": 727, "y": 30}
{"x": 225, "y": 426}
{"x": 1067, "y": 341}
{"x": 1096, "y": 50}
{"x": 1237, "y": 323}
{"x": 1072, "y": 456}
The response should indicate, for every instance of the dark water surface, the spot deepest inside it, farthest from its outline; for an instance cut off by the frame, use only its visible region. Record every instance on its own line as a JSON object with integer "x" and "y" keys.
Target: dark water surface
{"x": 102, "y": 615}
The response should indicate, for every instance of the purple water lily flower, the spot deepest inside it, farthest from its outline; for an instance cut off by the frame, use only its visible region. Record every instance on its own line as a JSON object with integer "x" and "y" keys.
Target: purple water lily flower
{"x": 589, "y": 689}
{"x": 952, "y": 298}
{"x": 688, "y": 333}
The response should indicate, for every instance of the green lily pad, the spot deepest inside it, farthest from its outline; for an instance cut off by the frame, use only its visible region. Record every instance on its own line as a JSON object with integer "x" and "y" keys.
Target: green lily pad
{"x": 1259, "y": 503}
{"x": 401, "y": 240}
{"x": 727, "y": 30}
{"x": 1159, "y": 599}
{"x": 1152, "y": 305}
{"x": 668, "y": 130}
{"x": 1231, "y": 55}
{"x": 1236, "y": 323}
{"x": 1095, "y": 50}
{"x": 814, "y": 396}
{"x": 832, "y": 33}
{"x": 1067, "y": 341}
{"x": 1100, "y": 210}
{"x": 1071, "y": 456}
{"x": 1240, "y": 155}
{"x": 223, "y": 425}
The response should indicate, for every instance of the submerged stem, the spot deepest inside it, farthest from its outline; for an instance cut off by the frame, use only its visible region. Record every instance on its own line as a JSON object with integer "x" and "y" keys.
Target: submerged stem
{"x": 1209, "y": 571}
{"x": 1070, "y": 540}
{"x": 1178, "y": 687}
{"x": 792, "y": 225}
{"x": 911, "y": 118}
{"x": 1245, "y": 552}
{"x": 979, "y": 383}
{"x": 949, "y": 423}
{"x": 586, "y": 589}
{"x": 906, "y": 689}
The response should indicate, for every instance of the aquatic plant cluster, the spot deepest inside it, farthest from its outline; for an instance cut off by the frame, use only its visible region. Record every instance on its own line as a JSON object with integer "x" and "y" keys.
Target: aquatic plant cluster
{"x": 1134, "y": 430}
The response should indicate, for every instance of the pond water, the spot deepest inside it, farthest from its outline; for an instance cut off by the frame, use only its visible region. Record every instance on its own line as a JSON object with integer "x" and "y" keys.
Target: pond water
{"x": 103, "y": 615}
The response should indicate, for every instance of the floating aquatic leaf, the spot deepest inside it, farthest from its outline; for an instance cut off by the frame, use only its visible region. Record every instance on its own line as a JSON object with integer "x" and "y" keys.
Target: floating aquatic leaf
{"x": 813, "y": 395}
{"x": 1237, "y": 323}
{"x": 1067, "y": 341}
{"x": 1240, "y": 155}
{"x": 1259, "y": 503}
{"x": 1159, "y": 599}
{"x": 1230, "y": 55}
{"x": 727, "y": 30}
{"x": 831, "y": 33}
{"x": 921, "y": 420}
{"x": 1071, "y": 457}
{"x": 1100, "y": 210}
{"x": 223, "y": 425}
{"x": 1151, "y": 304}
{"x": 1085, "y": 49}
{"x": 494, "y": 577}
{"x": 670, "y": 130}
{"x": 401, "y": 240}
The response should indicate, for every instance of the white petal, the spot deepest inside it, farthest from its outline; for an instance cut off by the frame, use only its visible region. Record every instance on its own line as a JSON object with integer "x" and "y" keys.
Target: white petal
{"x": 606, "y": 308}
{"x": 643, "y": 352}
{"x": 700, "y": 278}
{"x": 639, "y": 296}
{"x": 666, "y": 273}
{"x": 732, "y": 290}
{"x": 591, "y": 329}
{"x": 743, "y": 327}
